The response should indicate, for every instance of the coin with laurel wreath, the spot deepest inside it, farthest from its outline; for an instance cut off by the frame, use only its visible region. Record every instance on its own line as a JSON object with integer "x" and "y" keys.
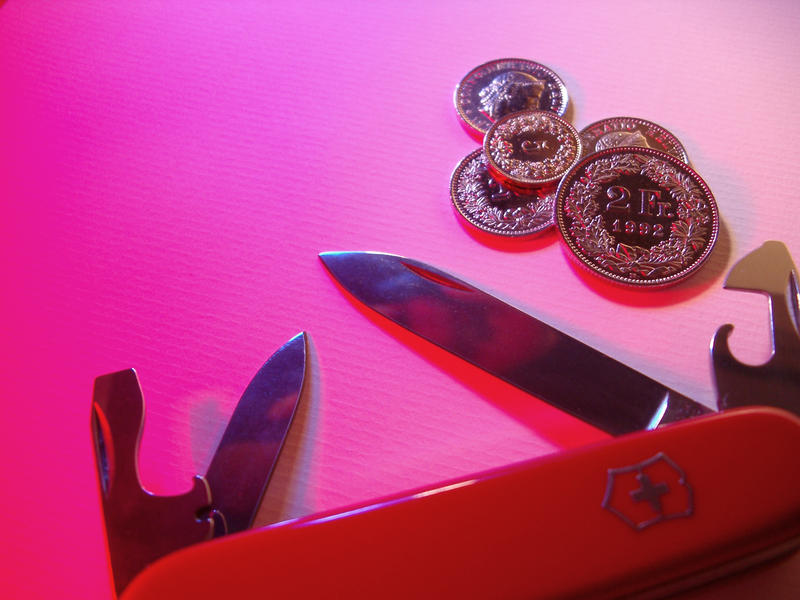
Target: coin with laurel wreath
{"x": 531, "y": 149}
{"x": 499, "y": 87}
{"x": 630, "y": 131}
{"x": 486, "y": 204}
{"x": 637, "y": 216}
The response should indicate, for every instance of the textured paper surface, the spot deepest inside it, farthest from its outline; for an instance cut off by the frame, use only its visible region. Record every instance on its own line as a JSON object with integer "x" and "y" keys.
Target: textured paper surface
{"x": 169, "y": 173}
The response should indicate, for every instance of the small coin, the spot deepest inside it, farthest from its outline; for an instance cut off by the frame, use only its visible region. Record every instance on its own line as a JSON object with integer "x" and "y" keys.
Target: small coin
{"x": 637, "y": 216}
{"x": 530, "y": 149}
{"x": 489, "y": 206}
{"x": 630, "y": 131}
{"x": 499, "y": 87}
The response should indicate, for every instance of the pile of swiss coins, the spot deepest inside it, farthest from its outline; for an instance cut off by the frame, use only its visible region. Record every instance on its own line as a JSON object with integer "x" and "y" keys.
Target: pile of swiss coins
{"x": 620, "y": 191}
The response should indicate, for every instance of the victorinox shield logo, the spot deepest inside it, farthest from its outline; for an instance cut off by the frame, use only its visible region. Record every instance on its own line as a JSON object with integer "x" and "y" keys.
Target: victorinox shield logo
{"x": 648, "y": 492}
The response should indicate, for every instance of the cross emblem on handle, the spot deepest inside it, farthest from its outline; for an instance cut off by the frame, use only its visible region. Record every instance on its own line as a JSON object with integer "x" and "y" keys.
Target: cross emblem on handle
{"x": 650, "y": 492}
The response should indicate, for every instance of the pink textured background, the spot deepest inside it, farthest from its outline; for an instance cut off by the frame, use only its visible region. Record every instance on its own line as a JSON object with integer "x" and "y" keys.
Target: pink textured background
{"x": 169, "y": 172}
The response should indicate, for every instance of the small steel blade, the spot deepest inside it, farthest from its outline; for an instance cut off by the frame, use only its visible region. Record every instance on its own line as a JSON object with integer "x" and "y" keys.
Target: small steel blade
{"x": 246, "y": 455}
{"x": 508, "y": 343}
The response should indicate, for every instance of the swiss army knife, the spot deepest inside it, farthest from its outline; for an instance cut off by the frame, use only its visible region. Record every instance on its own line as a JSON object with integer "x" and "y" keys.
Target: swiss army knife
{"x": 680, "y": 495}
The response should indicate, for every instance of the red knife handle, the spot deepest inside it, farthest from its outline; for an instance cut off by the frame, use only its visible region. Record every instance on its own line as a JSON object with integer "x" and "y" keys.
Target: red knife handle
{"x": 690, "y": 501}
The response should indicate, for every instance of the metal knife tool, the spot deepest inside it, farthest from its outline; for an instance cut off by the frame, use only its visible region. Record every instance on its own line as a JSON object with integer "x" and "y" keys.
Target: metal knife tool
{"x": 559, "y": 369}
{"x": 142, "y": 527}
{"x": 768, "y": 270}
{"x": 643, "y": 515}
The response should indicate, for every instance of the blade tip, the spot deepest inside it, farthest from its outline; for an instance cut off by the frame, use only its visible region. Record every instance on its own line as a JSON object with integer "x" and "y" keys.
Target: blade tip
{"x": 328, "y": 254}
{"x": 299, "y": 339}
{"x": 329, "y": 258}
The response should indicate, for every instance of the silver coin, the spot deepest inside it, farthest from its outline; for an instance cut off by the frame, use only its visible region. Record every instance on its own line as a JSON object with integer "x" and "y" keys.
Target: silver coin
{"x": 630, "y": 131}
{"x": 486, "y": 204}
{"x": 530, "y": 149}
{"x": 637, "y": 216}
{"x": 500, "y": 87}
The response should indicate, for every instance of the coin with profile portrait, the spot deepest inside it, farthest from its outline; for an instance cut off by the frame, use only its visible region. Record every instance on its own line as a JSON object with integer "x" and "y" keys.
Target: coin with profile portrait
{"x": 615, "y": 132}
{"x": 500, "y": 87}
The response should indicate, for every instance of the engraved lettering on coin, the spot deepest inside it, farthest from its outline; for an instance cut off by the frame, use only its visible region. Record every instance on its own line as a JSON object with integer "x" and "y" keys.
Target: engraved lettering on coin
{"x": 616, "y": 139}
{"x": 529, "y": 149}
{"x": 616, "y": 132}
{"x": 510, "y": 92}
{"x": 637, "y": 216}
{"x": 500, "y": 87}
{"x": 488, "y": 205}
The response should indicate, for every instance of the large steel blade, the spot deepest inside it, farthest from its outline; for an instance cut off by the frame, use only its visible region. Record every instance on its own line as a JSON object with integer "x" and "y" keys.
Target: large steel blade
{"x": 508, "y": 343}
{"x": 244, "y": 460}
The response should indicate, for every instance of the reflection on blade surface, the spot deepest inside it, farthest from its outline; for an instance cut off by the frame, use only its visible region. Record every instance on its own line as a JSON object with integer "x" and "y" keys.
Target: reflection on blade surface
{"x": 246, "y": 455}
{"x": 508, "y": 343}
